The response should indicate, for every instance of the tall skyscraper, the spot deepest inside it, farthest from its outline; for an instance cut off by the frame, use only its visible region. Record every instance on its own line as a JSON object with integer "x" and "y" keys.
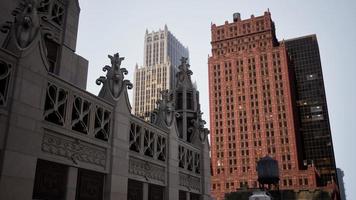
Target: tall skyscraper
{"x": 162, "y": 54}
{"x": 313, "y": 118}
{"x": 253, "y": 109}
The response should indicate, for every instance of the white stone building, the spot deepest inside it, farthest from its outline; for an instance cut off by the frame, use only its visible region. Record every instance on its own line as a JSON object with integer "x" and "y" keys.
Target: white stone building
{"x": 58, "y": 141}
{"x": 162, "y": 54}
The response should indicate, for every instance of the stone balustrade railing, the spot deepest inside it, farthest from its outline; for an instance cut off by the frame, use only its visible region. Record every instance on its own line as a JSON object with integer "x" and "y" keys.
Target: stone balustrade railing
{"x": 148, "y": 140}
{"x": 77, "y": 110}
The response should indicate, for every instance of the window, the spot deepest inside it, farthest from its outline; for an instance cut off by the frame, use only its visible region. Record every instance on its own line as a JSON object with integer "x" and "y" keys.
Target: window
{"x": 52, "y": 53}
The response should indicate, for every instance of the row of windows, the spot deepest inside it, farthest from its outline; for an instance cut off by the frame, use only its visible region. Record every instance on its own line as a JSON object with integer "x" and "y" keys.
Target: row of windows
{"x": 235, "y": 30}
{"x": 231, "y": 185}
{"x": 285, "y": 182}
{"x": 155, "y": 37}
{"x": 222, "y": 51}
{"x": 251, "y": 67}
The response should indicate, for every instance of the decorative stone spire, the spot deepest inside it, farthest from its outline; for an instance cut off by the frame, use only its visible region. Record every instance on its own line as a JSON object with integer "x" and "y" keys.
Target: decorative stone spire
{"x": 164, "y": 114}
{"x": 190, "y": 124}
{"x": 114, "y": 82}
{"x": 184, "y": 74}
{"x": 197, "y": 130}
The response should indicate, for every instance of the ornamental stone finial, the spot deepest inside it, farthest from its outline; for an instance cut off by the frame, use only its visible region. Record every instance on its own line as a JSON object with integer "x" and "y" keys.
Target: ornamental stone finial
{"x": 198, "y": 129}
{"x": 26, "y": 24}
{"x": 114, "y": 80}
{"x": 164, "y": 114}
{"x": 183, "y": 76}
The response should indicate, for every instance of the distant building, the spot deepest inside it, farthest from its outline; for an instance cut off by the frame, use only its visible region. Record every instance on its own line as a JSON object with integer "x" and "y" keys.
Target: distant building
{"x": 162, "y": 54}
{"x": 340, "y": 177}
{"x": 313, "y": 126}
{"x": 58, "y": 141}
{"x": 258, "y": 87}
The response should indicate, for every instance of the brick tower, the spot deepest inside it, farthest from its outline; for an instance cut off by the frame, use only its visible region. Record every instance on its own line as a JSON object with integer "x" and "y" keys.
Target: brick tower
{"x": 252, "y": 107}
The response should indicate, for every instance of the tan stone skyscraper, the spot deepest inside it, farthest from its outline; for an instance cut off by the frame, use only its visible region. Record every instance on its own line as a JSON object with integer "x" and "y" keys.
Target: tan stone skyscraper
{"x": 162, "y": 54}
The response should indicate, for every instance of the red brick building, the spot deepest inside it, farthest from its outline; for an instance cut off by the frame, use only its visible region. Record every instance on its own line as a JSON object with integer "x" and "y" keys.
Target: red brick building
{"x": 252, "y": 113}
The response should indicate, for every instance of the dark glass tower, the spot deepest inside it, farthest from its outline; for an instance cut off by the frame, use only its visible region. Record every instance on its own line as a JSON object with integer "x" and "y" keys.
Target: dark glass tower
{"x": 313, "y": 120}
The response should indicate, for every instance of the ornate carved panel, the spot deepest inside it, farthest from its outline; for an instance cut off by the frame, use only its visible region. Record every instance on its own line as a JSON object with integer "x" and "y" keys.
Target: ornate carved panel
{"x": 5, "y": 73}
{"x": 44, "y": 6}
{"x": 90, "y": 185}
{"x": 146, "y": 169}
{"x": 161, "y": 148}
{"x": 50, "y": 181}
{"x": 73, "y": 149}
{"x": 52, "y": 11}
{"x": 80, "y": 115}
{"x": 197, "y": 163}
{"x": 135, "y": 137}
{"x": 55, "y": 104}
{"x": 85, "y": 115}
{"x": 148, "y": 143}
{"x": 134, "y": 190}
{"x": 57, "y": 13}
{"x": 190, "y": 182}
{"x": 182, "y": 156}
{"x": 189, "y": 160}
{"x": 102, "y": 124}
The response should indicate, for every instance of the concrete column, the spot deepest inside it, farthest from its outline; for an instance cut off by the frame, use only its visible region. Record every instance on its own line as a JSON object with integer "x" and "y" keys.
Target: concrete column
{"x": 145, "y": 191}
{"x": 72, "y": 183}
{"x": 117, "y": 177}
{"x": 172, "y": 189}
{"x": 14, "y": 176}
{"x": 188, "y": 195}
{"x": 205, "y": 170}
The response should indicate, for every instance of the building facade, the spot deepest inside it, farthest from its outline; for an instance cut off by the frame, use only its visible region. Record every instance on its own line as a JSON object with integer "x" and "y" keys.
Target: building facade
{"x": 340, "y": 177}
{"x": 252, "y": 108}
{"x": 316, "y": 194}
{"x": 313, "y": 117}
{"x": 58, "y": 141}
{"x": 162, "y": 54}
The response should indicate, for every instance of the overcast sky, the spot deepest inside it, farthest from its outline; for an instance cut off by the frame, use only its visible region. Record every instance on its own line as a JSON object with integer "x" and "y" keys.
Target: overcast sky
{"x": 110, "y": 26}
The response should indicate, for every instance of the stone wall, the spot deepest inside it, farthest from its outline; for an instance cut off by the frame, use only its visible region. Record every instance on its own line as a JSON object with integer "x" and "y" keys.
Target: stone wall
{"x": 58, "y": 141}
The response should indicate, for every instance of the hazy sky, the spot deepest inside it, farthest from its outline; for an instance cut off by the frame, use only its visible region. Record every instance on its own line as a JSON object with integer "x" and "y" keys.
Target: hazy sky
{"x": 110, "y": 26}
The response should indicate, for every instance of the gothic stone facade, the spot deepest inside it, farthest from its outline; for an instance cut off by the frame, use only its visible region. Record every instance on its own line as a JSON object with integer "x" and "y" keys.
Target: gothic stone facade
{"x": 58, "y": 141}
